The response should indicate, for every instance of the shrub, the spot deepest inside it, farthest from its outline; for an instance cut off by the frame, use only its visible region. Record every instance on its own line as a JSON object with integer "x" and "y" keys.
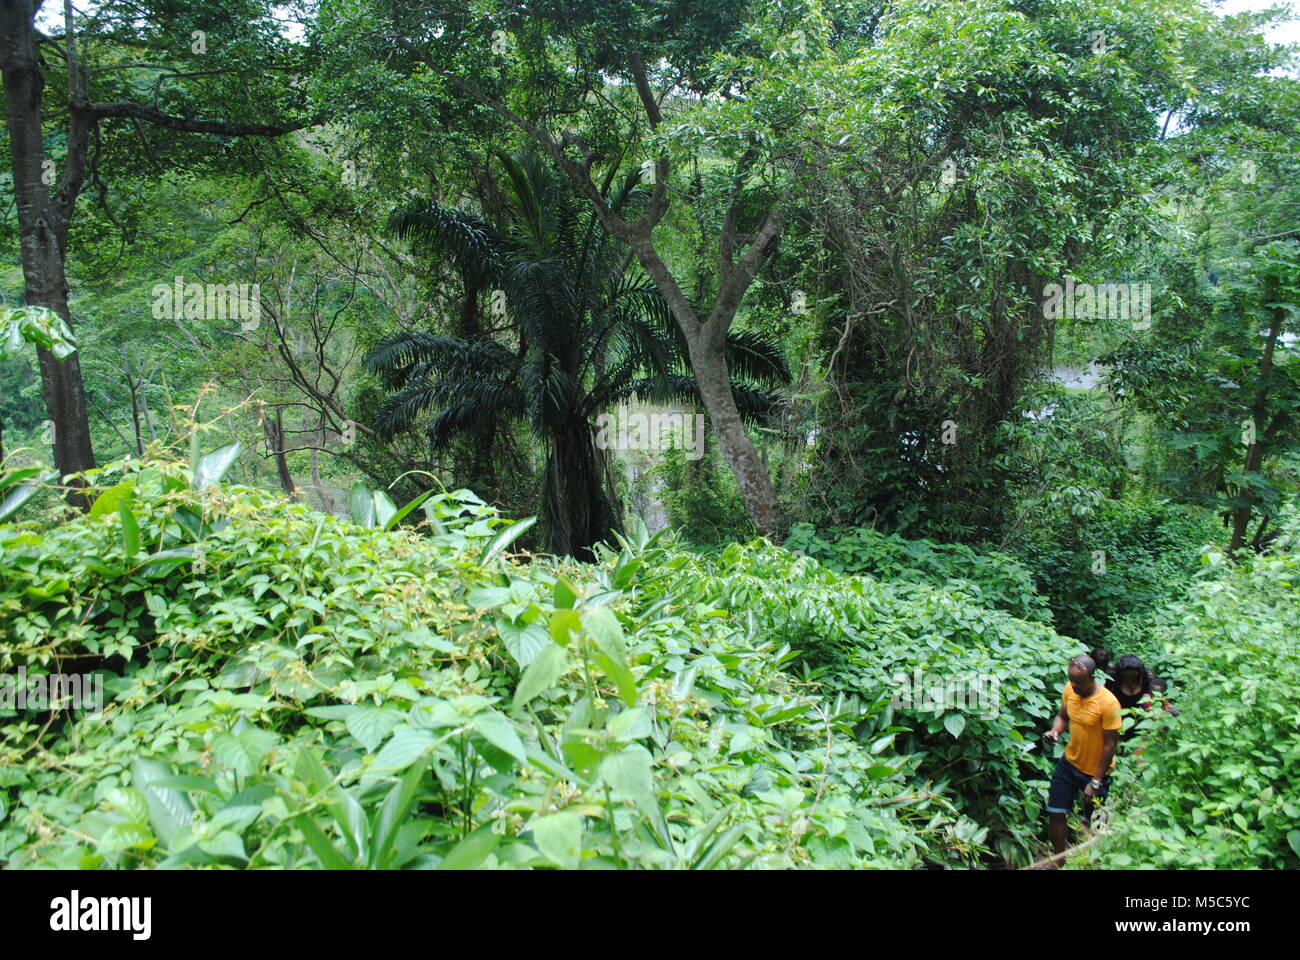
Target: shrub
{"x": 995, "y": 579}
{"x": 1218, "y": 786}
{"x": 700, "y": 497}
{"x": 289, "y": 689}
{"x": 861, "y": 638}
{"x": 1127, "y": 557}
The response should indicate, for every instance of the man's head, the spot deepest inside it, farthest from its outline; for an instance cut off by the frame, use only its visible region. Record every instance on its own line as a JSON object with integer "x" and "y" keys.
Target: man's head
{"x": 1158, "y": 685}
{"x": 1081, "y": 670}
{"x": 1101, "y": 657}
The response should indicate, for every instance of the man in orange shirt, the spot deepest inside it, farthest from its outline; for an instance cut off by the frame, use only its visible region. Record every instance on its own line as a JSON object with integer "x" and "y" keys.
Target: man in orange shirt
{"x": 1092, "y": 715}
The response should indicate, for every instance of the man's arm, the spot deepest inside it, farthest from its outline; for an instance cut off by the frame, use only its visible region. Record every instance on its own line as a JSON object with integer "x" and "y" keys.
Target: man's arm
{"x": 1109, "y": 741}
{"x": 1059, "y": 724}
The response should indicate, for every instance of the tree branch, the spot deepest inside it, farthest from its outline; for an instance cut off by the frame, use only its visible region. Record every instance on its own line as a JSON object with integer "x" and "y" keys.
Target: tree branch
{"x": 136, "y": 111}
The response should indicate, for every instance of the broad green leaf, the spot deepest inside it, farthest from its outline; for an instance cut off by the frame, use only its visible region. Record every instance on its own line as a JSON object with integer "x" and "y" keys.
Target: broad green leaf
{"x": 541, "y": 675}
{"x": 130, "y": 530}
{"x": 500, "y": 732}
{"x": 565, "y": 594}
{"x": 488, "y": 598}
{"x": 243, "y": 752}
{"x": 130, "y": 803}
{"x": 472, "y": 850}
{"x": 563, "y": 624}
{"x": 326, "y": 852}
{"x": 631, "y": 724}
{"x": 583, "y": 757}
{"x": 213, "y": 466}
{"x": 165, "y": 561}
{"x": 109, "y": 501}
{"x": 720, "y": 848}
{"x": 350, "y": 817}
{"x": 559, "y": 837}
{"x": 20, "y": 494}
{"x": 224, "y": 844}
{"x": 523, "y": 643}
{"x": 603, "y": 627}
{"x": 400, "y": 515}
{"x": 371, "y": 724}
{"x": 126, "y": 836}
{"x": 169, "y": 809}
{"x": 700, "y": 838}
{"x": 954, "y": 723}
{"x": 311, "y": 771}
{"x": 405, "y": 747}
{"x": 362, "y": 504}
{"x": 10, "y": 477}
{"x": 620, "y": 676}
{"x": 232, "y": 754}
{"x": 629, "y": 772}
{"x": 391, "y": 815}
{"x": 504, "y": 538}
{"x": 385, "y": 510}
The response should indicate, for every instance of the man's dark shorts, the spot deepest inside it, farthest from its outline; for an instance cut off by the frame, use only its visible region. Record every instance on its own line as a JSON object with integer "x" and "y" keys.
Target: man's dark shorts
{"x": 1068, "y": 780}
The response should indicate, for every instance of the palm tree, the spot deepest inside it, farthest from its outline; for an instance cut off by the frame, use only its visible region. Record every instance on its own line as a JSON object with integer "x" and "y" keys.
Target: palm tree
{"x": 586, "y": 329}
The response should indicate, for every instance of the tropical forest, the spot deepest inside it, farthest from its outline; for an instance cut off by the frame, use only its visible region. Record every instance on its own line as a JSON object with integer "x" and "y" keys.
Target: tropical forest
{"x": 649, "y": 434}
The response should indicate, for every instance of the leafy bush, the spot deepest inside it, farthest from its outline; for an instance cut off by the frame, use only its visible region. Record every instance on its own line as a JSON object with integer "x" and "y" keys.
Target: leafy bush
{"x": 284, "y": 688}
{"x": 995, "y": 579}
{"x": 1218, "y": 786}
{"x": 862, "y": 637}
{"x": 1127, "y": 557}
{"x": 701, "y": 498}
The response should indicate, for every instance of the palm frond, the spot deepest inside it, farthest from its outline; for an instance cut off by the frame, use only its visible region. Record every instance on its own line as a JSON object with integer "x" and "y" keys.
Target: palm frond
{"x": 530, "y": 184}
{"x": 752, "y": 356}
{"x": 753, "y": 402}
{"x": 400, "y": 409}
{"x": 406, "y": 355}
{"x": 465, "y": 415}
{"x": 470, "y": 241}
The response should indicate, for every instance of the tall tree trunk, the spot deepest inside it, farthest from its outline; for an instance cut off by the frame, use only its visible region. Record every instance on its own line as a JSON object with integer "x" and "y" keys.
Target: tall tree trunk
{"x": 707, "y": 345}
{"x": 43, "y": 228}
{"x": 755, "y": 483}
{"x": 273, "y": 429}
{"x": 577, "y": 509}
{"x": 134, "y": 387}
{"x": 1259, "y": 411}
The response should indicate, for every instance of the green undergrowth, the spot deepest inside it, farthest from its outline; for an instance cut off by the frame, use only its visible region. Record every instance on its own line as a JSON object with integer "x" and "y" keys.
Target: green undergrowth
{"x": 995, "y": 579}
{"x": 284, "y": 688}
{"x": 1218, "y": 785}
{"x": 868, "y": 640}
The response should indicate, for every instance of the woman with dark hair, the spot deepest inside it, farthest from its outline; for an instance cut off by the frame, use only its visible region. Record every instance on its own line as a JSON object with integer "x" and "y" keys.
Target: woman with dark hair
{"x": 1131, "y": 684}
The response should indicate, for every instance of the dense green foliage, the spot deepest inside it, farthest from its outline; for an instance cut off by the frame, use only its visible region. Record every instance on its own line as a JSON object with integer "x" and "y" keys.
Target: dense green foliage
{"x": 1125, "y": 559}
{"x": 700, "y": 499}
{"x": 407, "y": 612}
{"x": 317, "y": 694}
{"x": 994, "y": 579}
{"x": 866, "y": 639}
{"x": 1218, "y": 786}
